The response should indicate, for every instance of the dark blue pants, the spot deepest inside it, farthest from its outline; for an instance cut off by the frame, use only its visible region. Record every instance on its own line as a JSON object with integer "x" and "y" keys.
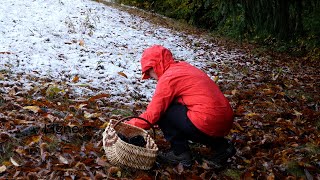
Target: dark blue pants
{"x": 178, "y": 129}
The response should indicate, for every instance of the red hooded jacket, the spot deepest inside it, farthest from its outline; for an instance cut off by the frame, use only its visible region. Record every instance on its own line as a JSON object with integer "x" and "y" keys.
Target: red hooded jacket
{"x": 208, "y": 109}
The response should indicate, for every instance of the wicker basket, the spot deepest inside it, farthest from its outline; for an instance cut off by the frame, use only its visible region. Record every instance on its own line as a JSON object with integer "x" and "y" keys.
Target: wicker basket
{"x": 121, "y": 153}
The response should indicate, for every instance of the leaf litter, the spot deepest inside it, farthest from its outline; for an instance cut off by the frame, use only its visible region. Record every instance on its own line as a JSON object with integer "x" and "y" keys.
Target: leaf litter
{"x": 62, "y": 78}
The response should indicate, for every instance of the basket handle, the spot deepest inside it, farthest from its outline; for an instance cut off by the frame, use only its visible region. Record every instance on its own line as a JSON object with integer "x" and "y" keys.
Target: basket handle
{"x": 123, "y": 119}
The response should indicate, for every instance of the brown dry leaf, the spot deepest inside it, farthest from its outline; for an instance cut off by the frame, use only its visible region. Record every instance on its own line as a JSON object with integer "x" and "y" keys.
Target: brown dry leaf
{"x": 43, "y": 149}
{"x": 240, "y": 110}
{"x": 81, "y": 42}
{"x": 3, "y": 52}
{"x": 238, "y": 126}
{"x": 20, "y": 150}
{"x": 248, "y": 175}
{"x": 34, "y": 109}
{"x": 179, "y": 169}
{"x": 268, "y": 91}
{"x": 104, "y": 125}
{"x": 113, "y": 169}
{"x": 75, "y": 79}
{"x": 12, "y": 92}
{"x": 123, "y": 74}
{"x": 4, "y": 137}
{"x": 18, "y": 121}
{"x": 99, "y": 96}
{"x": 203, "y": 175}
{"x": 101, "y": 162}
{"x": 294, "y": 145}
{"x": 33, "y": 139}
{"x": 143, "y": 176}
{"x": 271, "y": 176}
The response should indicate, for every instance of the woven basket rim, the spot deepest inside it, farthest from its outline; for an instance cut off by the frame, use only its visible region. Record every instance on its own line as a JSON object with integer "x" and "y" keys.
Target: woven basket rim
{"x": 138, "y": 128}
{"x": 139, "y": 147}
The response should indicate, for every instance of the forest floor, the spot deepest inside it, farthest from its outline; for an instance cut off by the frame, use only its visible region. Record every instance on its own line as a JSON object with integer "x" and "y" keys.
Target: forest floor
{"x": 63, "y": 77}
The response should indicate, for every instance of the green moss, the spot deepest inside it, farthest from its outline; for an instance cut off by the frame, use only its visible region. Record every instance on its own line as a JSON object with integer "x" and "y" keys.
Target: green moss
{"x": 7, "y": 150}
{"x": 232, "y": 173}
{"x": 294, "y": 169}
{"x": 122, "y": 112}
{"x": 53, "y": 91}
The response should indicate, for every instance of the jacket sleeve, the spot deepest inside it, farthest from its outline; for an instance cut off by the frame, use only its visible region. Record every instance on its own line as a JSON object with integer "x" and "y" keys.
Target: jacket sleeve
{"x": 162, "y": 98}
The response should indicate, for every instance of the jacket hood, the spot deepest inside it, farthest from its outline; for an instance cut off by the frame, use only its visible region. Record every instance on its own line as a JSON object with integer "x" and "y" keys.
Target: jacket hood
{"x": 157, "y": 57}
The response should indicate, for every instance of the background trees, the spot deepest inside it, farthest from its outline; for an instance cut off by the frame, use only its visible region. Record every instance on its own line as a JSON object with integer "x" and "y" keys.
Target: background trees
{"x": 290, "y": 25}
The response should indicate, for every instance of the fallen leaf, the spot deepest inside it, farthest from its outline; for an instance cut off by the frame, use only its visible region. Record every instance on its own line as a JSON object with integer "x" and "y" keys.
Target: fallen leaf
{"x": 234, "y": 92}
{"x": 6, "y": 52}
{"x": 123, "y": 74}
{"x": 99, "y": 96}
{"x": 20, "y": 150}
{"x": 81, "y": 106}
{"x": 271, "y": 176}
{"x": 113, "y": 169}
{"x": 89, "y": 115}
{"x": 215, "y": 79}
{"x": 101, "y": 162}
{"x": 4, "y": 137}
{"x": 268, "y": 91}
{"x": 63, "y": 160}
{"x": 99, "y": 53}
{"x": 104, "y": 125}
{"x": 203, "y": 175}
{"x": 34, "y": 109}
{"x": 18, "y": 121}
{"x": 81, "y": 42}
{"x": 33, "y": 139}
{"x": 179, "y": 168}
{"x": 3, "y": 168}
{"x": 14, "y": 162}
{"x": 205, "y": 166}
{"x": 238, "y": 126}
{"x": 119, "y": 174}
{"x": 251, "y": 115}
{"x": 294, "y": 145}
{"x": 297, "y": 113}
{"x": 75, "y": 79}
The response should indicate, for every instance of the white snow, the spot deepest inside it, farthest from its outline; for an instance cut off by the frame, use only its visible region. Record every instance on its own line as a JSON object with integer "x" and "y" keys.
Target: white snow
{"x": 59, "y": 39}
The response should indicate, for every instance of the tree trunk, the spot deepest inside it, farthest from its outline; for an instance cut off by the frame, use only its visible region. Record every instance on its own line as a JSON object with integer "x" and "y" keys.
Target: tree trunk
{"x": 299, "y": 25}
{"x": 283, "y": 20}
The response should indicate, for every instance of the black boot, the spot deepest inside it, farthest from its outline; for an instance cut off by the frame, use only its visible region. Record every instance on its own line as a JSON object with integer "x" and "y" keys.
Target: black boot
{"x": 220, "y": 157}
{"x": 171, "y": 158}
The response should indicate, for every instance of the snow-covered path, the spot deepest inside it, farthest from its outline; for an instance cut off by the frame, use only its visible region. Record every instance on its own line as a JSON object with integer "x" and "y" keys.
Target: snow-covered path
{"x": 62, "y": 39}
